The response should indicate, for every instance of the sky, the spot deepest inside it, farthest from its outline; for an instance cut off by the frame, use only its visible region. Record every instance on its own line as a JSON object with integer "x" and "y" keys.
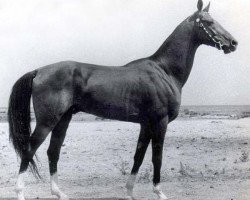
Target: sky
{"x": 34, "y": 33}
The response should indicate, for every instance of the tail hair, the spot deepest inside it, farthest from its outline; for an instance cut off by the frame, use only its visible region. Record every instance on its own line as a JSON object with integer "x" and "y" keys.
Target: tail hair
{"x": 19, "y": 116}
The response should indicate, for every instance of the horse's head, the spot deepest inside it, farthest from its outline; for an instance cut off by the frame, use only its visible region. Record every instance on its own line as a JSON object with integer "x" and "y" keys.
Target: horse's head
{"x": 210, "y": 32}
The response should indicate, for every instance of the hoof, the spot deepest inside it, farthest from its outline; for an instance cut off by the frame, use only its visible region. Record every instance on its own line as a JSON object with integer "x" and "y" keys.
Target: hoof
{"x": 167, "y": 198}
{"x": 61, "y": 196}
{"x": 20, "y": 195}
{"x": 157, "y": 190}
{"x": 20, "y": 198}
{"x": 64, "y": 197}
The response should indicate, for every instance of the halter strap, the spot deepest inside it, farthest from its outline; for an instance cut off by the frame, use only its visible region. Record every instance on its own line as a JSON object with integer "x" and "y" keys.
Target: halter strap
{"x": 216, "y": 42}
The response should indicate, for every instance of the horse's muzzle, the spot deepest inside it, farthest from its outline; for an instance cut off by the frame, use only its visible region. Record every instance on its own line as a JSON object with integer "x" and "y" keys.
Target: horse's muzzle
{"x": 231, "y": 47}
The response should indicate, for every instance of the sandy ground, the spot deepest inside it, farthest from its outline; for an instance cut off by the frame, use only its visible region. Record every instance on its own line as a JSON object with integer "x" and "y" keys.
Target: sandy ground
{"x": 204, "y": 159}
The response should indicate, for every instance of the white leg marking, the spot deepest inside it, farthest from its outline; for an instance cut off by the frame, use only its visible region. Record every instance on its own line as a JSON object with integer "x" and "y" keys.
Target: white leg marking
{"x": 157, "y": 190}
{"x": 55, "y": 189}
{"x": 20, "y": 187}
{"x": 130, "y": 186}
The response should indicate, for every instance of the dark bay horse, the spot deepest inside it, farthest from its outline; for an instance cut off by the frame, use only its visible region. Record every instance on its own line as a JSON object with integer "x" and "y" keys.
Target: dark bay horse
{"x": 145, "y": 91}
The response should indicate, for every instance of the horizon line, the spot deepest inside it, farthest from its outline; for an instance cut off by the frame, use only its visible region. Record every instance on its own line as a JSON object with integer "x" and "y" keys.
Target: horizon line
{"x": 184, "y": 105}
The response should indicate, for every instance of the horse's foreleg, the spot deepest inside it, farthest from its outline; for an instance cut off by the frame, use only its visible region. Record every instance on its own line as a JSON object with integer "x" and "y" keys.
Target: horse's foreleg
{"x": 142, "y": 145}
{"x": 157, "y": 148}
{"x": 37, "y": 138}
{"x": 57, "y": 138}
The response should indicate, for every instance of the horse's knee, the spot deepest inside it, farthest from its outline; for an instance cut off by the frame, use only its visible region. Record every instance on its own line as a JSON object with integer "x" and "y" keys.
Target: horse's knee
{"x": 157, "y": 162}
{"x": 157, "y": 149}
{"x": 157, "y": 154}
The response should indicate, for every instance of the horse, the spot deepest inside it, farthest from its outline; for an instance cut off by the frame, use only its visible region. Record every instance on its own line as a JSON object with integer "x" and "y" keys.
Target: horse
{"x": 145, "y": 91}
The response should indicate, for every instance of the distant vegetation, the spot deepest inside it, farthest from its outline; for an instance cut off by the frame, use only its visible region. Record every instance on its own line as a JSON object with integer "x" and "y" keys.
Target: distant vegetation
{"x": 186, "y": 112}
{"x": 215, "y": 112}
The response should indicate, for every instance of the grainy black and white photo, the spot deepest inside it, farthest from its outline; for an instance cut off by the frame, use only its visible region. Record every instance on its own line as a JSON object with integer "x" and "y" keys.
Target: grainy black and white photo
{"x": 124, "y": 99}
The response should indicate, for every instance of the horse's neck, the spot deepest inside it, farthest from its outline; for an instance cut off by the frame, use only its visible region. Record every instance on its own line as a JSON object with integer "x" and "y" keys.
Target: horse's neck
{"x": 176, "y": 55}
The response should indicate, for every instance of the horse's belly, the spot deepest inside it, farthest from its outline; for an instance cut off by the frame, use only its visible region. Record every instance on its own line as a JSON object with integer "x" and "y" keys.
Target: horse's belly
{"x": 113, "y": 112}
{"x": 109, "y": 107}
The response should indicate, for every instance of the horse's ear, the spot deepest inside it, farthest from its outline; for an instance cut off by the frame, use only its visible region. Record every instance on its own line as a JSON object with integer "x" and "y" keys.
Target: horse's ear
{"x": 207, "y": 8}
{"x": 200, "y": 5}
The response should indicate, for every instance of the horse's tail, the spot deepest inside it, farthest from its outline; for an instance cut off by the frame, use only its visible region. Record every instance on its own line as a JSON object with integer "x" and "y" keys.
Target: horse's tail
{"x": 19, "y": 116}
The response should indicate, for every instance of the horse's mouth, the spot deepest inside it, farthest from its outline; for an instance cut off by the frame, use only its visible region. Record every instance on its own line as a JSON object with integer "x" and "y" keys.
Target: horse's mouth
{"x": 228, "y": 49}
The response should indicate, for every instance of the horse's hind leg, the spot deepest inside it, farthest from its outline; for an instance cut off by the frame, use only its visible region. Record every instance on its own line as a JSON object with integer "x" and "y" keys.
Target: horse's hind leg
{"x": 142, "y": 145}
{"x": 57, "y": 138}
{"x": 36, "y": 139}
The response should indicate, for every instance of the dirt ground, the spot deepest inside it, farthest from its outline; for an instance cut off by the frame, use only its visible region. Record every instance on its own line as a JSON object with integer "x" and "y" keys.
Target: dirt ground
{"x": 203, "y": 159}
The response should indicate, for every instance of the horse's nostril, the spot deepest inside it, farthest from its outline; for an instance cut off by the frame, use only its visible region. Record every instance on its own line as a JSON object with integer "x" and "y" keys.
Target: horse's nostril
{"x": 234, "y": 43}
